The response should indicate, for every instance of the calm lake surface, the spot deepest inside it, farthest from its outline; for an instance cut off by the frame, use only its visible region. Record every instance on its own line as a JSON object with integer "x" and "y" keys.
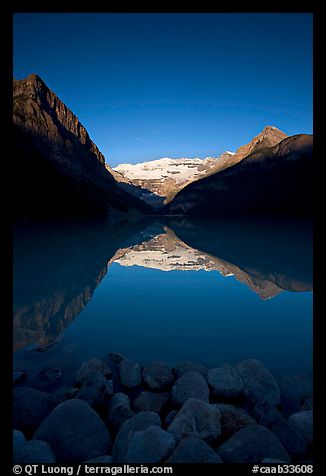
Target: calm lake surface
{"x": 213, "y": 291}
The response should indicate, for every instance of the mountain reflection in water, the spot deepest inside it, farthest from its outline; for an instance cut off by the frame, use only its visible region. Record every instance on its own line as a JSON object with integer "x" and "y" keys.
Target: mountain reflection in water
{"x": 58, "y": 266}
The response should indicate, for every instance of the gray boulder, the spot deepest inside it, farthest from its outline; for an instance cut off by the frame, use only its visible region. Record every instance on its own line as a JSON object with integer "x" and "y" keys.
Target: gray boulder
{"x": 119, "y": 412}
{"x": 193, "y": 450}
{"x": 157, "y": 375}
{"x": 33, "y": 451}
{"x": 232, "y": 419}
{"x": 95, "y": 390}
{"x": 225, "y": 382}
{"x": 30, "y": 408}
{"x": 259, "y": 383}
{"x": 303, "y": 422}
{"x": 291, "y": 439}
{"x": 130, "y": 373}
{"x": 75, "y": 432}
{"x": 90, "y": 367}
{"x": 150, "y": 446}
{"x": 138, "y": 422}
{"x": 188, "y": 366}
{"x": 189, "y": 385}
{"x": 151, "y": 402}
{"x": 196, "y": 418}
{"x": 251, "y": 444}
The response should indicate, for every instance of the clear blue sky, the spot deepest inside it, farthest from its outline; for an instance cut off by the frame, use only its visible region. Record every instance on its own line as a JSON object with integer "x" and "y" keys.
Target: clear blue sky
{"x": 148, "y": 86}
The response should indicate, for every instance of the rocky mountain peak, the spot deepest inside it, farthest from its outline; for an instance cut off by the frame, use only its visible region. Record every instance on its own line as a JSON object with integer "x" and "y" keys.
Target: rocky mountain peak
{"x": 268, "y": 137}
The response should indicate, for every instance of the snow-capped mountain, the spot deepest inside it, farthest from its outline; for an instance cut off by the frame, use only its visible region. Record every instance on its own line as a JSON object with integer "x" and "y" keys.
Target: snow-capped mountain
{"x": 165, "y": 177}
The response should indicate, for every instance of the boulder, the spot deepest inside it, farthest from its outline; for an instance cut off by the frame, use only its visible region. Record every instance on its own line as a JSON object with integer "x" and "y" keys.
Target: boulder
{"x": 91, "y": 367}
{"x": 119, "y": 412}
{"x": 266, "y": 414}
{"x": 303, "y": 422}
{"x": 169, "y": 417}
{"x": 196, "y": 418}
{"x": 151, "y": 402}
{"x": 187, "y": 366}
{"x": 193, "y": 450}
{"x": 251, "y": 445}
{"x": 232, "y": 419}
{"x": 130, "y": 373}
{"x": 34, "y": 451}
{"x": 138, "y": 422}
{"x": 259, "y": 383}
{"x": 225, "y": 382}
{"x": 18, "y": 444}
{"x": 157, "y": 375}
{"x": 95, "y": 390}
{"x": 30, "y": 408}
{"x": 75, "y": 432}
{"x": 291, "y": 439}
{"x": 296, "y": 393}
{"x": 189, "y": 385}
{"x": 150, "y": 446}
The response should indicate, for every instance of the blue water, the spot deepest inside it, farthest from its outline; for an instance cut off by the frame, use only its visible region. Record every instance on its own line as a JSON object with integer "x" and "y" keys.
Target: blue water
{"x": 149, "y": 314}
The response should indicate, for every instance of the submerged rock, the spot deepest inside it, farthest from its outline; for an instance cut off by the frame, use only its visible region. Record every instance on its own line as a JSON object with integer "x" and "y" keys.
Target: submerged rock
{"x": 116, "y": 357}
{"x": 151, "y": 402}
{"x": 157, "y": 375}
{"x": 232, "y": 419}
{"x": 95, "y": 390}
{"x": 90, "y": 367}
{"x": 188, "y": 366}
{"x": 75, "y": 432}
{"x": 196, "y": 418}
{"x": 225, "y": 382}
{"x": 303, "y": 422}
{"x": 259, "y": 383}
{"x": 189, "y": 385}
{"x": 30, "y": 408}
{"x": 291, "y": 439}
{"x": 34, "y": 451}
{"x": 152, "y": 445}
{"x": 130, "y": 373}
{"x": 119, "y": 412}
{"x": 138, "y": 422}
{"x": 193, "y": 450}
{"x": 296, "y": 393}
{"x": 251, "y": 444}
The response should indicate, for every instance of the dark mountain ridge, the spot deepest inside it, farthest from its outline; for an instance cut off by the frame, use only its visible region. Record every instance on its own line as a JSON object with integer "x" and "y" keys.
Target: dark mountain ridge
{"x": 275, "y": 179}
{"x": 59, "y": 168}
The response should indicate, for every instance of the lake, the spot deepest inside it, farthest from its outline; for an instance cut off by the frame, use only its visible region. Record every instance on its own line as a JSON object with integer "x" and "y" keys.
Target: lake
{"x": 174, "y": 289}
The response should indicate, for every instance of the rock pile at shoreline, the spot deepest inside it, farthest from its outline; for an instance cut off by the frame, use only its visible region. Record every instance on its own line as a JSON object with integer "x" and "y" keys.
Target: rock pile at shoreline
{"x": 118, "y": 411}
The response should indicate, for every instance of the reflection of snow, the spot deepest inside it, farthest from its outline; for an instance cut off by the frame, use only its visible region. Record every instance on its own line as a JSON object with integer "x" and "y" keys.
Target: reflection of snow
{"x": 166, "y": 252}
